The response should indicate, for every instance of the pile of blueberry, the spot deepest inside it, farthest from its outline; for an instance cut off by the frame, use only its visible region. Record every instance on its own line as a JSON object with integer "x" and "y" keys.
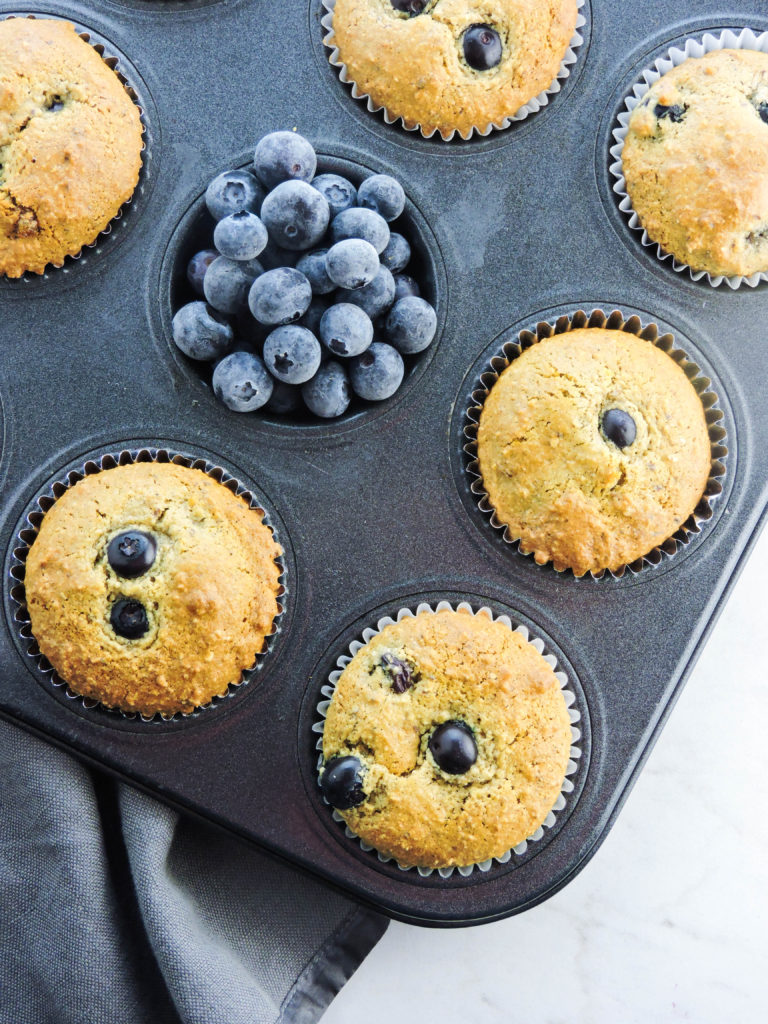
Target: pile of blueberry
{"x": 303, "y": 301}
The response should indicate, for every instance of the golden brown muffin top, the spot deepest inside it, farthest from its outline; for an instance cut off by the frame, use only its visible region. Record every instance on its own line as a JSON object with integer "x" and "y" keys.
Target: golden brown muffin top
{"x": 70, "y": 144}
{"x": 210, "y": 595}
{"x": 566, "y": 491}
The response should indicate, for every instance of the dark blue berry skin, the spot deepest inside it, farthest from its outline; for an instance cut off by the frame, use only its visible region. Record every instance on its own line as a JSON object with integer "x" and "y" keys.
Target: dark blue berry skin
{"x": 675, "y": 113}
{"x": 292, "y": 354}
{"x": 296, "y": 215}
{"x": 241, "y": 236}
{"x": 284, "y": 156}
{"x": 132, "y": 553}
{"x": 312, "y": 266}
{"x": 346, "y": 330}
{"x": 453, "y": 747}
{"x": 366, "y": 224}
{"x": 327, "y": 394}
{"x": 762, "y": 110}
{"x": 232, "y": 192}
{"x": 375, "y": 298}
{"x": 384, "y": 194}
{"x": 285, "y": 399}
{"x": 352, "y": 263}
{"x": 342, "y": 782}
{"x": 241, "y": 382}
{"x": 280, "y": 296}
{"x": 482, "y": 47}
{"x": 377, "y": 373}
{"x": 404, "y": 286}
{"x": 201, "y": 333}
{"x": 314, "y": 314}
{"x": 411, "y": 325}
{"x": 197, "y": 267}
{"x": 275, "y": 256}
{"x": 397, "y": 253}
{"x": 410, "y": 7}
{"x": 129, "y": 619}
{"x": 619, "y": 427}
{"x": 339, "y": 193}
{"x": 227, "y": 282}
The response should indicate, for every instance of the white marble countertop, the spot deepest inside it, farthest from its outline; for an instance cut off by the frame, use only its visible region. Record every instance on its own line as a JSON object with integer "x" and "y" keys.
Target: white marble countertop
{"x": 668, "y": 922}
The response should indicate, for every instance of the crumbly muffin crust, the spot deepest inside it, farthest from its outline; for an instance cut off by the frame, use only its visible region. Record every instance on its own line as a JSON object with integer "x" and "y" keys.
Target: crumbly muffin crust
{"x": 469, "y": 668}
{"x": 70, "y": 144}
{"x": 415, "y": 67}
{"x": 210, "y": 596}
{"x": 695, "y": 162}
{"x": 566, "y": 492}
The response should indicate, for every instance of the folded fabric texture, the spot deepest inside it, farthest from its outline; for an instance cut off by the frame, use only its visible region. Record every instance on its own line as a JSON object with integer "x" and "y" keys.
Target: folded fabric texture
{"x": 114, "y": 909}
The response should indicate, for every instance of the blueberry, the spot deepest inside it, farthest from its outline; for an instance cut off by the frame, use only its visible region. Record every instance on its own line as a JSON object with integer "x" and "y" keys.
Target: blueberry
{"x": 280, "y": 296}
{"x": 327, "y": 394}
{"x": 312, "y": 266}
{"x": 352, "y": 263}
{"x": 618, "y": 427}
{"x": 275, "y": 256}
{"x": 402, "y": 675}
{"x": 675, "y": 113}
{"x": 377, "y": 373}
{"x": 285, "y": 398}
{"x": 241, "y": 382}
{"x": 227, "y": 282}
{"x": 375, "y": 298}
{"x": 411, "y": 7}
{"x": 314, "y": 314}
{"x": 129, "y": 618}
{"x": 241, "y": 236}
{"x": 132, "y": 553}
{"x": 197, "y": 267}
{"x": 342, "y": 782}
{"x": 292, "y": 354}
{"x": 411, "y": 325}
{"x": 482, "y": 47}
{"x": 397, "y": 253}
{"x": 404, "y": 286}
{"x": 296, "y": 215}
{"x": 200, "y": 332}
{"x": 762, "y": 109}
{"x": 384, "y": 194}
{"x": 284, "y": 156}
{"x": 232, "y": 192}
{"x": 453, "y": 747}
{"x": 339, "y": 193}
{"x": 366, "y": 224}
{"x": 346, "y": 330}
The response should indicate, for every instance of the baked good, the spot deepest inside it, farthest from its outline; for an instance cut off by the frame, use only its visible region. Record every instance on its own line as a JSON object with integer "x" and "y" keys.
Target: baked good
{"x": 593, "y": 449}
{"x": 452, "y": 65}
{"x": 695, "y": 162}
{"x": 151, "y": 587}
{"x": 446, "y": 740}
{"x": 70, "y": 144}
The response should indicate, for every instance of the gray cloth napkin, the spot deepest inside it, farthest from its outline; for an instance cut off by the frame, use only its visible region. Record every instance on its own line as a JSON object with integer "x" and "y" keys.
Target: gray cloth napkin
{"x": 117, "y": 910}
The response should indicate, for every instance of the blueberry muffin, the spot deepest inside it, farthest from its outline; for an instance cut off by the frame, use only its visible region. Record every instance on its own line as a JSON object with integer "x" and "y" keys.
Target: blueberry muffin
{"x": 70, "y": 144}
{"x": 593, "y": 449}
{"x": 446, "y": 741}
{"x": 695, "y": 162}
{"x": 151, "y": 587}
{"x": 452, "y": 65}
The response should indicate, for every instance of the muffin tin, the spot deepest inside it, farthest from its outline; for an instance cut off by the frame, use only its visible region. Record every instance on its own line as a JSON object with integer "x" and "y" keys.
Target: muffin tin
{"x": 375, "y": 511}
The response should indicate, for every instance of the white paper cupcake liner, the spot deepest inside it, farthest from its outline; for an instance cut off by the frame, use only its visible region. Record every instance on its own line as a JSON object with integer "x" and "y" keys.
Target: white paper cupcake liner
{"x": 112, "y": 61}
{"x": 730, "y": 39}
{"x": 570, "y": 700}
{"x": 531, "y": 107}
{"x": 615, "y": 321}
{"x": 29, "y": 531}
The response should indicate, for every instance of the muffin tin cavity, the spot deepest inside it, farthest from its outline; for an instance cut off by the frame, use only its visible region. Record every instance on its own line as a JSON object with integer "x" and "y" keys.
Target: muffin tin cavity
{"x": 134, "y": 620}
{"x": 109, "y": 238}
{"x": 477, "y": 50}
{"x": 464, "y": 749}
{"x": 194, "y": 233}
{"x": 617, "y": 425}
